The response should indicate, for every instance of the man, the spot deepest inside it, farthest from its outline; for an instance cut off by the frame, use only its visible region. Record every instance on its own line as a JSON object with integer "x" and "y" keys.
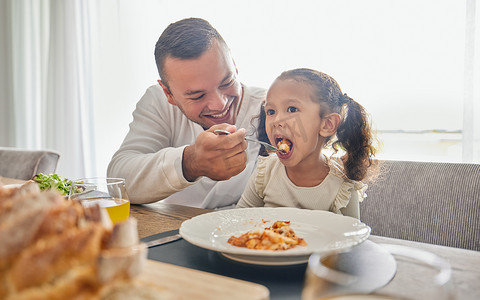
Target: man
{"x": 171, "y": 152}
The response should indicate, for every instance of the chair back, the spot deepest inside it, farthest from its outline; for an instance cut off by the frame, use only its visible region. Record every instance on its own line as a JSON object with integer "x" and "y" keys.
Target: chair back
{"x": 431, "y": 202}
{"x": 24, "y": 164}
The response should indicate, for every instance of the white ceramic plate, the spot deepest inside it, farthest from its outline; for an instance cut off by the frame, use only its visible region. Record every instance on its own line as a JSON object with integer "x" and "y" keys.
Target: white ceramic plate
{"x": 323, "y": 231}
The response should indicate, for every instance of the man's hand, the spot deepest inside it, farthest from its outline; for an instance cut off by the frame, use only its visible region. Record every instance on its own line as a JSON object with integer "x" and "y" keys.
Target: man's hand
{"x": 218, "y": 157}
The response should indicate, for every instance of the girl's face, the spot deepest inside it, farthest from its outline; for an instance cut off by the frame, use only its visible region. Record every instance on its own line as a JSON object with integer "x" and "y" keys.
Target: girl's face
{"x": 292, "y": 114}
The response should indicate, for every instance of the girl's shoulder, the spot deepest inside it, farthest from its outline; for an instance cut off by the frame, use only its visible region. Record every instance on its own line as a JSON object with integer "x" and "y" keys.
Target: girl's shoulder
{"x": 348, "y": 190}
{"x": 336, "y": 167}
{"x": 268, "y": 162}
{"x": 266, "y": 166}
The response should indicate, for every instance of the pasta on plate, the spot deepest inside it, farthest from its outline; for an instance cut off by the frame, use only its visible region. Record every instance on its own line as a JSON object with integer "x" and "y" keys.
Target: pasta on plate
{"x": 280, "y": 236}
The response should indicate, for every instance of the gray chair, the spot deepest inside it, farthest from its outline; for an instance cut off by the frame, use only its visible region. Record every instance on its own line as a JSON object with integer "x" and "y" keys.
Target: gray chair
{"x": 24, "y": 164}
{"x": 437, "y": 203}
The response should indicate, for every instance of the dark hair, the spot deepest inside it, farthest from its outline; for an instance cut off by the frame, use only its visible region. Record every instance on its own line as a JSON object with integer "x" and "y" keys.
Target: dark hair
{"x": 262, "y": 133}
{"x": 184, "y": 39}
{"x": 354, "y": 133}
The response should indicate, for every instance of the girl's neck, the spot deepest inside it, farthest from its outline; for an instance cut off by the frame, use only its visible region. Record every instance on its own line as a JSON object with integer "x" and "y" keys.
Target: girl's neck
{"x": 309, "y": 175}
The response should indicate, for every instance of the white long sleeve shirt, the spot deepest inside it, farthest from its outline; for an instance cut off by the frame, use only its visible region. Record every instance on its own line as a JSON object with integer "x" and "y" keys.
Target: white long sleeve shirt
{"x": 150, "y": 157}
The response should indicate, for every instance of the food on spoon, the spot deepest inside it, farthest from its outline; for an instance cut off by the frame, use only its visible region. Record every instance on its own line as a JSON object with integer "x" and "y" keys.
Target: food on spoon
{"x": 53, "y": 248}
{"x": 280, "y": 236}
{"x": 284, "y": 145}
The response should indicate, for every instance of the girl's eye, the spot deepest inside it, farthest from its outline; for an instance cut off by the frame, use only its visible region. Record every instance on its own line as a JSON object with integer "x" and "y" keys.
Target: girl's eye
{"x": 292, "y": 109}
{"x": 270, "y": 112}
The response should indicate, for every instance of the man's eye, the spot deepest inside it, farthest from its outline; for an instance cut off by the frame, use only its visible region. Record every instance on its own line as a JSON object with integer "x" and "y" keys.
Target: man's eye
{"x": 227, "y": 84}
{"x": 292, "y": 109}
{"x": 198, "y": 98}
{"x": 270, "y": 112}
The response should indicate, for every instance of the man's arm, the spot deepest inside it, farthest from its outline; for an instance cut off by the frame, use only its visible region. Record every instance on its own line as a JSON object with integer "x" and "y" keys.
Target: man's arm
{"x": 162, "y": 155}
{"x": 150, "y": 157}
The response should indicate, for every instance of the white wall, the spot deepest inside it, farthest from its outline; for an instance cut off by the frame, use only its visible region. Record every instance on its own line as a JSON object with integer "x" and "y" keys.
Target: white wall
{"x": 403, "y": 60}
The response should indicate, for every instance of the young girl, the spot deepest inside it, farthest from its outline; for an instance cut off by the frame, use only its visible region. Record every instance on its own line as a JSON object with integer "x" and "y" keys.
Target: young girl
{"x": 306, "y": 112}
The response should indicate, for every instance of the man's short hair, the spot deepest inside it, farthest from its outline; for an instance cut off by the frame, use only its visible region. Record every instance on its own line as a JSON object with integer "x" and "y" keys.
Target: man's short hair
{"x": 184, "y": 39}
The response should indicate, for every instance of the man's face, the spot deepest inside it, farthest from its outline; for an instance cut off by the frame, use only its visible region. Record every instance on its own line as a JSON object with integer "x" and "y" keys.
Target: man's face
{"x": 206, "y": 88}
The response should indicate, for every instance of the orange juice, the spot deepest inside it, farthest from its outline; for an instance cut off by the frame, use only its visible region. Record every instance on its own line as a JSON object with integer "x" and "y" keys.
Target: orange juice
{"x": 118, "y": 209}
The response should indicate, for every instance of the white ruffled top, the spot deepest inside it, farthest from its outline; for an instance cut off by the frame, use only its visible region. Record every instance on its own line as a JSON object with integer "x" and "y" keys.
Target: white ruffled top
{"x": 270, "y": 186}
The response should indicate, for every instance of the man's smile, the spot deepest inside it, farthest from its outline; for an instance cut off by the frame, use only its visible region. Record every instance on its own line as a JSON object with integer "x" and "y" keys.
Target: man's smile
{"x": 224, "y": 115}
{"x": 221, "y": 115}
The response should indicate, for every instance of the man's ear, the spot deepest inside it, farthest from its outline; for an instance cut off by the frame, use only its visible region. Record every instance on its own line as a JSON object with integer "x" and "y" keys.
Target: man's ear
{"x": 167, "y": 92}
{"x": 329, "y": 124}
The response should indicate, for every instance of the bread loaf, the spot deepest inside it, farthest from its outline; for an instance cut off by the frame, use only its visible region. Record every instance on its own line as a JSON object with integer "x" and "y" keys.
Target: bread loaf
{"x": 53, "y": 248}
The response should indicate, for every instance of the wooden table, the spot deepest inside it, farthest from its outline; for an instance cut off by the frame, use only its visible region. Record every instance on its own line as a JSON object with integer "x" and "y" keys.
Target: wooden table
{"x": 160, "y": 217}
{"x": 5, "y": 181}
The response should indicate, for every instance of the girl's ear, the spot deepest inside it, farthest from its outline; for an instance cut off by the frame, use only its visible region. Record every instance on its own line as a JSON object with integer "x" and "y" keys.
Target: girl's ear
{"x": 329, "y": 124}
{"x": 167, "y": 92}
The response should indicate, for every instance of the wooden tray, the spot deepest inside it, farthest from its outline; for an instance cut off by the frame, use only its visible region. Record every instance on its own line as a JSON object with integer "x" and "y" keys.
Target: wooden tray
{"x": 193, "y": 284}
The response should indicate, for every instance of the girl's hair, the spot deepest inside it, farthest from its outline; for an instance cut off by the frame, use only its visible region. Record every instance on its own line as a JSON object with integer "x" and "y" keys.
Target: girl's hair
{"x": 354, "y": 134}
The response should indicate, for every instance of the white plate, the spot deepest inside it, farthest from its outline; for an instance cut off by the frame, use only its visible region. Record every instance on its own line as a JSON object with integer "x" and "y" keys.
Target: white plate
{"x": 268, "y": 260}
{"x": 323, "y": 231}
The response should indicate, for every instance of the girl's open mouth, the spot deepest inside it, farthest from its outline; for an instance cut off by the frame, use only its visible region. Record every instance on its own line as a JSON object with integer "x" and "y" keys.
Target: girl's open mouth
{"x": 285, "y": 145}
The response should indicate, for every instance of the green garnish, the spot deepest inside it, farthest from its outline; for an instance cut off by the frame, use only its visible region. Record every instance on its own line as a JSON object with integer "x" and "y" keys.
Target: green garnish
{"x": 53, "y": 181}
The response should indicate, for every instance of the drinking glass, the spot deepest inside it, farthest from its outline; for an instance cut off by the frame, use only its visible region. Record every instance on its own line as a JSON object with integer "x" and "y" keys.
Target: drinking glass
{"x": 420, "y": 275}
{"x": 109, "y": 193}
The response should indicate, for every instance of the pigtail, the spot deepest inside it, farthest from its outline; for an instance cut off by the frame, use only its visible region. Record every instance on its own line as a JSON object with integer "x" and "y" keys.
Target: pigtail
{"x": 354, "y": 135}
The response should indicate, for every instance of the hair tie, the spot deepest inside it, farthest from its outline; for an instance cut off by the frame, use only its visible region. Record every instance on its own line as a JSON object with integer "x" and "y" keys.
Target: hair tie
{"x": 344, "y": 99}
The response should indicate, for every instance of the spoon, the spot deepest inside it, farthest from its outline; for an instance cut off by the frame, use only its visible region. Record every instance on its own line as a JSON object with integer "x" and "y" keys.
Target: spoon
{"x": 267, "y": 146}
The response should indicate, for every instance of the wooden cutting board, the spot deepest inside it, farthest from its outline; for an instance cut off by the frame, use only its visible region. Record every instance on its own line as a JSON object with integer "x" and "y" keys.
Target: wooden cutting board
{"x": 188, "y": 283}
